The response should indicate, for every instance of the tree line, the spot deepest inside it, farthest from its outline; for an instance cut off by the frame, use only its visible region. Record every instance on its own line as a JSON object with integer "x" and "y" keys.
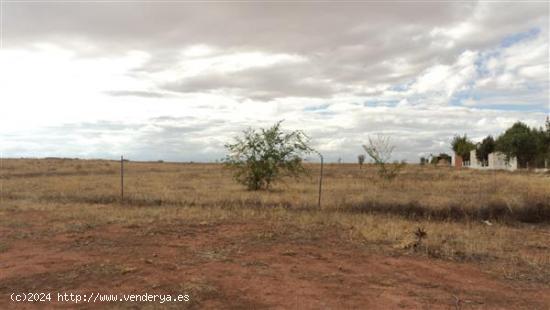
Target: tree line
{"x": 529, "y": 145}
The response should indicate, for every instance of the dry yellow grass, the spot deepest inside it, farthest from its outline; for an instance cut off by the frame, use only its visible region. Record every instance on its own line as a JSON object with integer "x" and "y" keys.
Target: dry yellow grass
{"x": 81, "y": 193}
{"x": 418, "y": 191}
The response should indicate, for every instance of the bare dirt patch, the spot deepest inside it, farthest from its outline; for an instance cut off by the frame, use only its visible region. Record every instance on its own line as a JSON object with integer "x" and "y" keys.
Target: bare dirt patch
{"x": 234, "y": 265}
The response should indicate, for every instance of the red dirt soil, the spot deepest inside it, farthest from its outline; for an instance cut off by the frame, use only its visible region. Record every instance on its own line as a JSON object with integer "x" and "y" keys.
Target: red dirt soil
{"x": 233, "y": 266}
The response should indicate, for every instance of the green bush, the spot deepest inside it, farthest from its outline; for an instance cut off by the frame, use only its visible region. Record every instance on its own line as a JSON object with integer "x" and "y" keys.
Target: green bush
{"x": 260, "y": 157}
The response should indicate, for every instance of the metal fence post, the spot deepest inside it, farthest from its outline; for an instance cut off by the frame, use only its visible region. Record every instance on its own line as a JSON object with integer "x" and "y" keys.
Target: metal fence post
{"x": 121, "y": 179}
{"x": 320, "y": 180}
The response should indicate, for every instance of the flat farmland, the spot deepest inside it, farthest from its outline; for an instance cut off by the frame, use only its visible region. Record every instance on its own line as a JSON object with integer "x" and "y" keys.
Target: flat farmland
{"x": 190, "y": 228}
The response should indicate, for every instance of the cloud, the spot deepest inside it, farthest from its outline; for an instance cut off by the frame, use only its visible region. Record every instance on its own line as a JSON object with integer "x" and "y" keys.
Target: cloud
{"x": 261, "y": 84}
{"x": 175, "y": 81}
{"x": 352, "y": 43}
{"x": 137, "y": 93}
{"x": 338, "y": 133}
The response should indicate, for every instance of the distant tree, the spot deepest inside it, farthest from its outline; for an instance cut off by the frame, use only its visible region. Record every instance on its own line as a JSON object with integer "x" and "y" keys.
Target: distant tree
{"x": 445, "y": 157}
{"x": 360, "y": 160}
{"x": 380, "y": 149}
{"x": 462, "y": 146}
{"x": 518, "y": 141}
{"x": 423, "y": 160}
{"x": 542, "y": 141}
{"x": 547, "y": 139}
{"x": 261, "y": 157}
{"x": 546, "y": 149}
{"x": 486, "y": 147}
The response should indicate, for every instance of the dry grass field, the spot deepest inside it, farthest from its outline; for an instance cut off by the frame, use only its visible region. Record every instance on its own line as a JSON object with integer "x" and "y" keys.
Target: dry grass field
{"x": 190, "y": 228}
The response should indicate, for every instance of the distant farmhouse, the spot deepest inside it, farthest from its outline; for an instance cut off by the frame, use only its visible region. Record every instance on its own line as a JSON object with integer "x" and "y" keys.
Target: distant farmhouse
{"x": 496, "y": 161}
{"x": 439, "y": 160}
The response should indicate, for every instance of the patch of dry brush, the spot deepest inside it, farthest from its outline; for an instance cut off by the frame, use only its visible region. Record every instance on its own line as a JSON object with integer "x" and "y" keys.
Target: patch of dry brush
{"x": 418, "y": 192}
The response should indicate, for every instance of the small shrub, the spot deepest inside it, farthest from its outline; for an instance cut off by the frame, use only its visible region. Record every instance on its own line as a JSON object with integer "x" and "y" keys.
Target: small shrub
{"x": 261, "y": 157}
{"x": 361, "y": 160}
{"x": 380, "y": 150}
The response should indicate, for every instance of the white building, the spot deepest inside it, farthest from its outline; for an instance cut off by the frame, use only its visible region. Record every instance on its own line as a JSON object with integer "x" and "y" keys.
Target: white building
{"x": 496, "y": 161}
{"x": 474, "y": 163}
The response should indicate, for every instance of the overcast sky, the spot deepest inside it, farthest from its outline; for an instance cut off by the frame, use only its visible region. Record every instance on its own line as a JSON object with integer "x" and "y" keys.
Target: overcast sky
{"x": 176, "y": 80}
